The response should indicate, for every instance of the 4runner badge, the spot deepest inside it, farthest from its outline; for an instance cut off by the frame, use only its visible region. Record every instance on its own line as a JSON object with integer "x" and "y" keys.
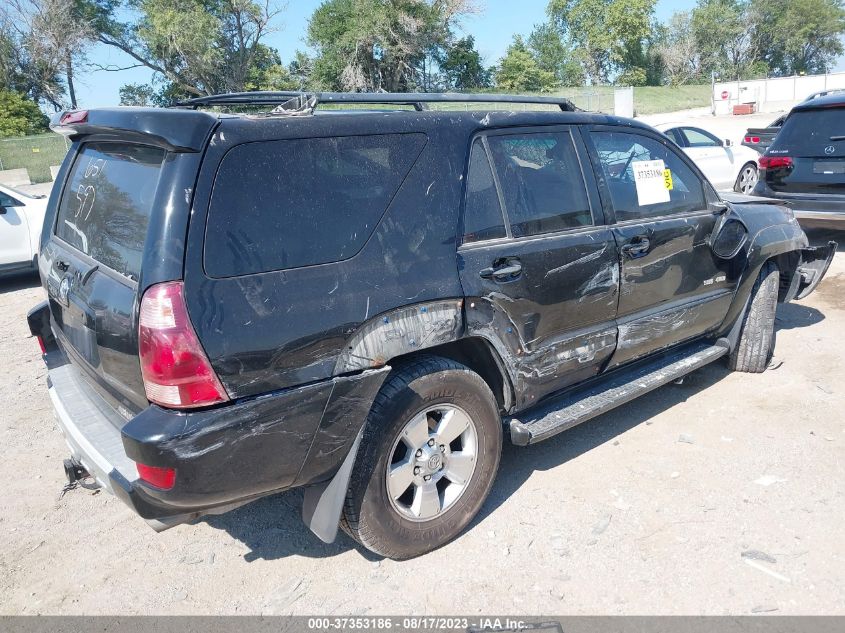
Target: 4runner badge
{"x": 64, "y": 290}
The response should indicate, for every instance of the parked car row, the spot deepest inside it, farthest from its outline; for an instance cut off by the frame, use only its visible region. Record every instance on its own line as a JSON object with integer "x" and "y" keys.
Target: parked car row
{"x": 799, "y": 159}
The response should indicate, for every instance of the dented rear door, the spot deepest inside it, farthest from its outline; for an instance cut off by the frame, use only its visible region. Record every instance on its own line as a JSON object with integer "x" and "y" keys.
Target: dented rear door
{"x": 538, "y": 267}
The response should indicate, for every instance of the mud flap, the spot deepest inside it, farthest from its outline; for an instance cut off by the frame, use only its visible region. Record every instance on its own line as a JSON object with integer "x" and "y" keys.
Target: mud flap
{"x": 323, "y": 503}
{"x": 814, "y": 264}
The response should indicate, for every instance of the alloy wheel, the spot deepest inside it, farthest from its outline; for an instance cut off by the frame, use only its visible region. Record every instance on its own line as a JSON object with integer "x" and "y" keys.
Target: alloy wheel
{"x": 432, "y": 462}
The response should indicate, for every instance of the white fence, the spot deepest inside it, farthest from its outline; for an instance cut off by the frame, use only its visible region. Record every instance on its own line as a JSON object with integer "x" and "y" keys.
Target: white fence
{"x": 772, "y": 95}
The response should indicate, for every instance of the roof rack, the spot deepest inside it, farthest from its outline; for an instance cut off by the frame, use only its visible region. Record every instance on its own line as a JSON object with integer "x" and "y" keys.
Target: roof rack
{"x": 307, "y": 102}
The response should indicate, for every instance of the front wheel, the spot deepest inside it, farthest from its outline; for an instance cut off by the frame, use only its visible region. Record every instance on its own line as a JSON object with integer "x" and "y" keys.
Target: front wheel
{"x": 747, "y": 179}
{"x": 427, "y": 460}
{"x": 756, "y": 342}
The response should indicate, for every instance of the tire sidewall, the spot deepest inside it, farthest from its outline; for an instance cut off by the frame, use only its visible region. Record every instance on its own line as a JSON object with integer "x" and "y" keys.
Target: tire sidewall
{"x": 458, "y": 387}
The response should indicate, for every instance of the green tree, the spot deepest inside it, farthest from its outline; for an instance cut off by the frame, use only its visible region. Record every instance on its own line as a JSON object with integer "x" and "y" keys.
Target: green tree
{"x": 194, "y": 47}
{"x": 801, "y": 36}
{"x": 20, "y": 116}
{"x": 519, "y": 71}
{"x": 724, "y": 38}
{"x": 463, "y": 67}
{"x": 143, "y": 95}
{"x": 372, "y": 45}
{"x": 552, "y": 55}
{"x": 678, "y": 50}
{"x": 609, "y": 35}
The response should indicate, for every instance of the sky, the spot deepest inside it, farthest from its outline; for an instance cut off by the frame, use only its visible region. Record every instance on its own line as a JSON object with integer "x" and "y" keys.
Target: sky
{"x": 493, "y": 29}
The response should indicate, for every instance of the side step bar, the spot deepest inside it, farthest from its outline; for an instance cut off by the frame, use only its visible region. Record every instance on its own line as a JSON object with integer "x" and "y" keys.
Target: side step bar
{"x": 548, "y": 419}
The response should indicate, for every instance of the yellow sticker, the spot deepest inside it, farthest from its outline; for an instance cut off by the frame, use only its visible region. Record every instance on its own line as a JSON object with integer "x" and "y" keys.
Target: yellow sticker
{"x": 667, "y": 178}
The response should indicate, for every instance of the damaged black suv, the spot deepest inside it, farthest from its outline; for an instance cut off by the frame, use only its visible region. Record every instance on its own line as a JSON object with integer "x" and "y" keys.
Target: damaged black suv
{"x": 360, "y": 301}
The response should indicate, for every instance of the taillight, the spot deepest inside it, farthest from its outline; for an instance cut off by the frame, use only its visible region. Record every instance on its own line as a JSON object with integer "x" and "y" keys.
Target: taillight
{"x": 752, "y": 139}
{"x": 163, "y": 478}
{"x": 176, "y": 371}
{"x": 774, "y": 162}
{"x": 74, "y": 116}
{"x": 41, "y": 345}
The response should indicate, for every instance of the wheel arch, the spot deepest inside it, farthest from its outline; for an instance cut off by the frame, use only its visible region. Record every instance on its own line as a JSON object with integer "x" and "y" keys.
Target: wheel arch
{"x": 479, "y": 355}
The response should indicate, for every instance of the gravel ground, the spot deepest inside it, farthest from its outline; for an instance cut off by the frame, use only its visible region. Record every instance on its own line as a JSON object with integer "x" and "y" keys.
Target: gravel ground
{"x": 723, "y": 495}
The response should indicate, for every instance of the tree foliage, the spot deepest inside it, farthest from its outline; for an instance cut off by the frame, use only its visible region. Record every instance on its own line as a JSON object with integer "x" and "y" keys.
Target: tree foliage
{"x": 463, "y": 68}
{"x": 194, "y": 47}
{"x": 20, "y": 116}
{"x": 519, "y": 70}
{"x": 609, "y": 35}
{"x": 553, "y": 55}
{"x": 373, "y": 45}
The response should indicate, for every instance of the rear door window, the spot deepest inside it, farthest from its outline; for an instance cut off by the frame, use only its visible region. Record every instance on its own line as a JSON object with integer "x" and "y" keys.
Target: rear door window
{"x": 812, "y": 133}
{"x": 625, "y": 157}
{"x": 483, "y": 218}
{"x": 105, "y": 206}
{"x": 542, "y": 183}
{"x": 300, "y": 202}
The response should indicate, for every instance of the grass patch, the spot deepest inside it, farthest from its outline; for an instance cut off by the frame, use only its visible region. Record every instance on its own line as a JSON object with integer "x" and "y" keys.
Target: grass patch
{"x": 36, "y": 153}
{"x": 659, "y": 99}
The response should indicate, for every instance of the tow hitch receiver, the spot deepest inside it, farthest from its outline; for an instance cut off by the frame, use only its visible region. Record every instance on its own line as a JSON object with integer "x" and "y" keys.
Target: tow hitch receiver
{"x": 74, "y": 471}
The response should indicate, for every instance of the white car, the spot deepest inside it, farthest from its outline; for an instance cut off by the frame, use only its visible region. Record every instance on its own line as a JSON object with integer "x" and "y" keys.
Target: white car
{"x": 726, "y": 165}
{"x": 21, "y": 217}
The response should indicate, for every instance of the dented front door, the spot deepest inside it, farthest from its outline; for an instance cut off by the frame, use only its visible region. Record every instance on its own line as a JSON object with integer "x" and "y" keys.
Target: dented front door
{"x": 672, "y": 286}
{"x": 542, "y": 288}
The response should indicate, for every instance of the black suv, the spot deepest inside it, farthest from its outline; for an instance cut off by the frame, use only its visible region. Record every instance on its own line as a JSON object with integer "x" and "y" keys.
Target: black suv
{"x": 361, "y": 301}
{"x": 805, "y": 164}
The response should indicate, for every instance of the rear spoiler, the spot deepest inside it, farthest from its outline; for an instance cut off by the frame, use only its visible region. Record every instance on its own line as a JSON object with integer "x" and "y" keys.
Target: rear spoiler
{"x": 174, "y": 130}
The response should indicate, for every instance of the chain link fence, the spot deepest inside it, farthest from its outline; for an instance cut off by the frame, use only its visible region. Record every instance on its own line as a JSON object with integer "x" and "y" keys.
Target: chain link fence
{"x": 34, "y": 153}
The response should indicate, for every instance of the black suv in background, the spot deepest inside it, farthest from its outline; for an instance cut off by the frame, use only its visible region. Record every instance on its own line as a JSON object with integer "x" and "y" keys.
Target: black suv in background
{"x": 805, "y": 164}
{"x": 361, "y": 301}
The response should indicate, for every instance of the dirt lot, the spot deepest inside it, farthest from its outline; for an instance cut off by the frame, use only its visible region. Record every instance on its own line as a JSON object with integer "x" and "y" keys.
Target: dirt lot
{"x": 648, "y": 509}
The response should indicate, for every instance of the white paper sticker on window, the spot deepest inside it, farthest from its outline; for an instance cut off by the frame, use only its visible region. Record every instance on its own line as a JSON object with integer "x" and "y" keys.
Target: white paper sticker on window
{"x": 651, "y": 186}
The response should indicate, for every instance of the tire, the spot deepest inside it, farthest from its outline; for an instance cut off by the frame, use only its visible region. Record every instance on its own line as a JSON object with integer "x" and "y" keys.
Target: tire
{"x": 747, "y": 179}
{"x": 414, "y": 403}
{"x": 756, "y": 342}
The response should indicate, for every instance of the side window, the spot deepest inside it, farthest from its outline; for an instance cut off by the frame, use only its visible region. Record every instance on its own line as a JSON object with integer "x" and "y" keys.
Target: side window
{"x": 300, "y": 202}
{"x": 700, "y": 138}
{"x": 646, "y": 178}
{"x": 483, "y": 218}
{"x": 676, "y": 135}
{"x": 8, "y": 201}
{"x": 541, "y": 181}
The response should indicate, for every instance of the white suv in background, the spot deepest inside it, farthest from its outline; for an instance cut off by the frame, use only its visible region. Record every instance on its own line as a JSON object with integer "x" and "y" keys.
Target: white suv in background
{"x": 726, "y": 165}
{"x": 21, "y": 217}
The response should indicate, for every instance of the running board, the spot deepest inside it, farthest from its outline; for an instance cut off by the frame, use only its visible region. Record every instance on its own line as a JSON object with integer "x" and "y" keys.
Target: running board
{"x": 548, "y": 419}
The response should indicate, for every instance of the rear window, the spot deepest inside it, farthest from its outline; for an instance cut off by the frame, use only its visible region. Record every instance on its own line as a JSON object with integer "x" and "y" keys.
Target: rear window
{"x": 105, "y": 207}
{"x": 286, "y": 204}
{"x": 812, "y": 133}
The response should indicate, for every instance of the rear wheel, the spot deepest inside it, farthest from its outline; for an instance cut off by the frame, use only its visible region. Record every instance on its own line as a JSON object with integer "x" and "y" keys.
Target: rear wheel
{"x": 747, "y": 179}
{"x": 427, "y": 461}
{"x": 756, "y": 342}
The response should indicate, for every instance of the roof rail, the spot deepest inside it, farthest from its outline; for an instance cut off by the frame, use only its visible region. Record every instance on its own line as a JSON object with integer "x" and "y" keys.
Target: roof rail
{"x": 306, "y": 102}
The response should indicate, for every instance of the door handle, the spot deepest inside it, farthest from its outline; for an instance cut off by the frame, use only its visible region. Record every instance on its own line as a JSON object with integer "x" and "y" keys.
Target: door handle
{"x": 637, "y": 247}
{"x": 62, "y": 266}
{"x": 508, "y": 272}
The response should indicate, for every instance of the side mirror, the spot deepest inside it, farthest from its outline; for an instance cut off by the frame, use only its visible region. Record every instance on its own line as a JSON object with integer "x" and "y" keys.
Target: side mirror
{"x": 728, "y": 143}
{"x": 2, "y": 210}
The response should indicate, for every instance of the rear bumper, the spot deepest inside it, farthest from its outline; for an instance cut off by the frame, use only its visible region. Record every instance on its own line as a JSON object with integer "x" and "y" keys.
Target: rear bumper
{"x": 223, "y": 457}
{"x": 821, "y": 211}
